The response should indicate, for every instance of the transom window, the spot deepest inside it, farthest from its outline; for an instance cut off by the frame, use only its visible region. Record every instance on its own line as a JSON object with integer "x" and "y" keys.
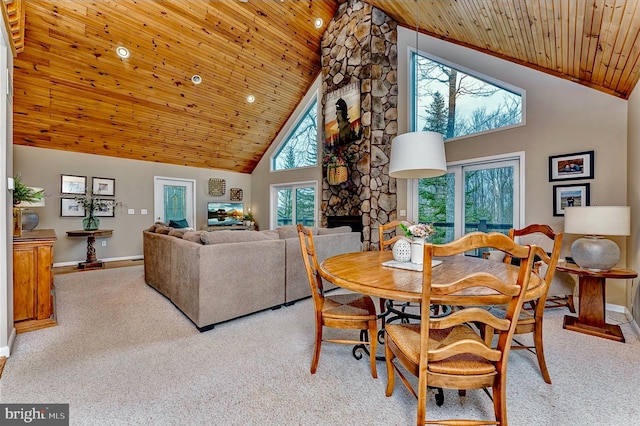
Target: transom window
{"x": 300, "y": 147}
{"x": 456, "y": 103}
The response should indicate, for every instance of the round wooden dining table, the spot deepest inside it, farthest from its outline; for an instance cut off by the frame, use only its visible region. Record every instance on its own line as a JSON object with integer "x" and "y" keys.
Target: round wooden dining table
{"x": 363, "y": 272}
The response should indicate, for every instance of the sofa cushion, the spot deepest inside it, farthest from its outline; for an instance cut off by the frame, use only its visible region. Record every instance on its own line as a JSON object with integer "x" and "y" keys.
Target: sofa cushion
{"x": 271, "y": 234}
{"x": 161, "y": 229}
{"x": 179, "y": 233}
{"x": 193, "y": 236}
{"x": 182, "y": 223}
{"x": 337, "y": 230}
{"x": 287, "y": 231}
{"x": 221, "y": 237}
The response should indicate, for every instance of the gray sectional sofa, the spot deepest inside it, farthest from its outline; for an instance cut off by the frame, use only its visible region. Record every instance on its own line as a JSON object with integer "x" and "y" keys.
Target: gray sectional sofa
{"x": 215, "y": 276}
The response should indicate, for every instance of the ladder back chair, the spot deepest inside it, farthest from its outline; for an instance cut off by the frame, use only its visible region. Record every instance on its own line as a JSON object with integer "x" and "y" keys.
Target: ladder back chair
{"x": 345, "y": 311}
{"x": 386, "y": 241}
{"x": 448, "y": 352}
{"x": 530, "y": 320}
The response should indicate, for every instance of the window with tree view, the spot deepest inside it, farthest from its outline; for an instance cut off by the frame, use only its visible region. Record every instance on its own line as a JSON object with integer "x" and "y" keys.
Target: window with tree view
{"x": 456, "y": 103}
{"x": 300, "y": 149}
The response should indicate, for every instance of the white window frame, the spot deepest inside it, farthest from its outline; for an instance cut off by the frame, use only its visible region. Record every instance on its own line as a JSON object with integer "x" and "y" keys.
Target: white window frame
{"x": 317, "y": 98}
{"x": 491, "y": 80}
{"x": 273, "y": 196}
{"x": 456, "y": 167}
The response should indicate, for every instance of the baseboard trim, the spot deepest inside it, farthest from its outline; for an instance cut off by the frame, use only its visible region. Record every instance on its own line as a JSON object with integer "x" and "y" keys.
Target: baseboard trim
{"x": 6, "y": 350}
{"x": 108, "y": 259}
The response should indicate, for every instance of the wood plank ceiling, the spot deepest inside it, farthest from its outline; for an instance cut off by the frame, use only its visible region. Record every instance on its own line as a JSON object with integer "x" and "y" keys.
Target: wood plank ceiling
{"x": 71, "y": 91}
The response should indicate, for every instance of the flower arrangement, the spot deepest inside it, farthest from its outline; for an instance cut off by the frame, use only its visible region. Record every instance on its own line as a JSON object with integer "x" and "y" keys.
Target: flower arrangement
{"x": 337, "y": 156}
{"x": 420, "y": 230}
{"x": 91, "y": 204}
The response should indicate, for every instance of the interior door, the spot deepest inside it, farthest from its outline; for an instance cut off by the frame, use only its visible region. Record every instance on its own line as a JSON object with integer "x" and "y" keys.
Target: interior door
{"x": 174, "y": 199}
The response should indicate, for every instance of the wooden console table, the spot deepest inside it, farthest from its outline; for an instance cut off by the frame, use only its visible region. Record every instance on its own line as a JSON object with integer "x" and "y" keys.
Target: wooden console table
{"x": 91, "y": 262}
{"x": 591, "y": 309}
{"x": 33, "y": 290}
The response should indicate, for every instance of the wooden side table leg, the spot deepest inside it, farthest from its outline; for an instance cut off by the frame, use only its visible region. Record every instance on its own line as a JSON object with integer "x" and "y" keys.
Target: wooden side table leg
{"x": 91, "y": 250}
{"x": 592, "y": 311}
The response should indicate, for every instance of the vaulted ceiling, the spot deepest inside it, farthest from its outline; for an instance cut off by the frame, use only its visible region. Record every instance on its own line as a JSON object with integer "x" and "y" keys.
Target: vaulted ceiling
{"x": 72, "y": 92}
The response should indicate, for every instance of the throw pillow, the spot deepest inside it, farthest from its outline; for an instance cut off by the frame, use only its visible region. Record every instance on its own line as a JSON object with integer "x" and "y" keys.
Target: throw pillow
{"x": 179, "y": 233}
{"x": 182, "y": 223}
{"x": 163, "y": 229}
{"x": 193, "y": 236}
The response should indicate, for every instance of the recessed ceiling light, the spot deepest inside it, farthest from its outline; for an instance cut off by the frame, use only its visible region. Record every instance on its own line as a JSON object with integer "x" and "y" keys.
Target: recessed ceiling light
{"x": 318, "y": 22}
{"x": 251, "y": 99}
{"x": 196, "y": 79}
{"x": 122, "y": 52}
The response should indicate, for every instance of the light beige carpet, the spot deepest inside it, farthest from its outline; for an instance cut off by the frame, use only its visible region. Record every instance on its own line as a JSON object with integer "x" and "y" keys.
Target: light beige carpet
{"x": 122, "y": 354}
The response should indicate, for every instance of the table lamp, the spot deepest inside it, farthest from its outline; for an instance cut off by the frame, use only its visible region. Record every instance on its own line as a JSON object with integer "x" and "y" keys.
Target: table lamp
{"x": 593, "y": 251}
{"x": 417, "y": 155}
{"x": 30, "y": 218}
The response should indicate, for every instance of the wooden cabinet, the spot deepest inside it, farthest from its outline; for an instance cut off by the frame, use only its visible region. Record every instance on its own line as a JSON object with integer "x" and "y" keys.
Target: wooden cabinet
{"x": 33, "y": 297}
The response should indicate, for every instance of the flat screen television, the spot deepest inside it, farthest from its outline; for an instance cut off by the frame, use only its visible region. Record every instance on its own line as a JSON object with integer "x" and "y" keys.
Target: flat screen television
{"x": 224, "y": 214}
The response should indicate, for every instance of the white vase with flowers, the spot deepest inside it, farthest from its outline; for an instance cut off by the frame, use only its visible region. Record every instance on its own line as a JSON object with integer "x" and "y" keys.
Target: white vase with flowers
{"x": 418, "y": 234}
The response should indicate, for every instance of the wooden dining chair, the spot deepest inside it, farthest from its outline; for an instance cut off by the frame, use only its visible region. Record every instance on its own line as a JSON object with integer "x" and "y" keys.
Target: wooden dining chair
{"x": 345, "y": 311}
{"x": 530, "y": 319}
{"x": 384, "y": 231}
{"x": 448, "y": 352}
{"x": 388, "y": 235}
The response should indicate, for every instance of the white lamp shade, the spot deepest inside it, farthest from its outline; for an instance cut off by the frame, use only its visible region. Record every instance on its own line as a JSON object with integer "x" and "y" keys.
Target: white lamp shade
{"x": 597, "y": 220}
{"x": 37, "y": 203}
{"x": 417, "y": 155}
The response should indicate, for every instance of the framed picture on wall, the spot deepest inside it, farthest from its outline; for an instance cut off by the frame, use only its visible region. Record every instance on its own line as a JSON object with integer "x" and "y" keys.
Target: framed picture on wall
{"x": 105, "y": 207}
{"x": 69, "y": 207}
{"x": 571, "y": 166}
{"x": 342, "y": 116}
{"x": 569, "y": 196}
{"x": 103, "y": 186}
{"x": 71, "y": 184}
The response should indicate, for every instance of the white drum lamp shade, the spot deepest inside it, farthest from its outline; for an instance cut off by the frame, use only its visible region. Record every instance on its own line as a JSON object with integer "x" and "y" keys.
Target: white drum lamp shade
{"x": 417, "y": 155}
{"x": 593, "y": 251}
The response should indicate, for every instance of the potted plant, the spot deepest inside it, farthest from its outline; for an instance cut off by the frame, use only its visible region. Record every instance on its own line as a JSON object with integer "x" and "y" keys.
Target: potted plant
{"x": 90, "y": 205}
{"x": 22, "y": 193}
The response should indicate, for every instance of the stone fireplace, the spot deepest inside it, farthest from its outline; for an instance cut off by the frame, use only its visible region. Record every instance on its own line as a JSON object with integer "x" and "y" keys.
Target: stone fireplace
{"x": 360, "y": 46}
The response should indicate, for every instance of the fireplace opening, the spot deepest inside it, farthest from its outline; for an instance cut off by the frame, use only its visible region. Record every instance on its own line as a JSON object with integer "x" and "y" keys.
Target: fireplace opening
{"x": 355, "y": 222}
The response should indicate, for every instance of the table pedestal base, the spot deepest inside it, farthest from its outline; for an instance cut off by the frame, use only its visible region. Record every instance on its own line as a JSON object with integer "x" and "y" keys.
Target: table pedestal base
{"x": 609, "y": 331}
{"x": 91, "y": 265}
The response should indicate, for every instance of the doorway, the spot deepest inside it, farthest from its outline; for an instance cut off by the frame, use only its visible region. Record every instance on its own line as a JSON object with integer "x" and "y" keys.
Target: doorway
{"x": 174, "y": 199}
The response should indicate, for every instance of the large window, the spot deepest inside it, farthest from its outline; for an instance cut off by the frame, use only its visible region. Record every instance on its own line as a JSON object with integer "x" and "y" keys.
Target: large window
{"x": 293, "y": 204}
{"x": 479, "y": 195}
{"x": 452, "y": 101}
{"x": 300, "y": 147}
